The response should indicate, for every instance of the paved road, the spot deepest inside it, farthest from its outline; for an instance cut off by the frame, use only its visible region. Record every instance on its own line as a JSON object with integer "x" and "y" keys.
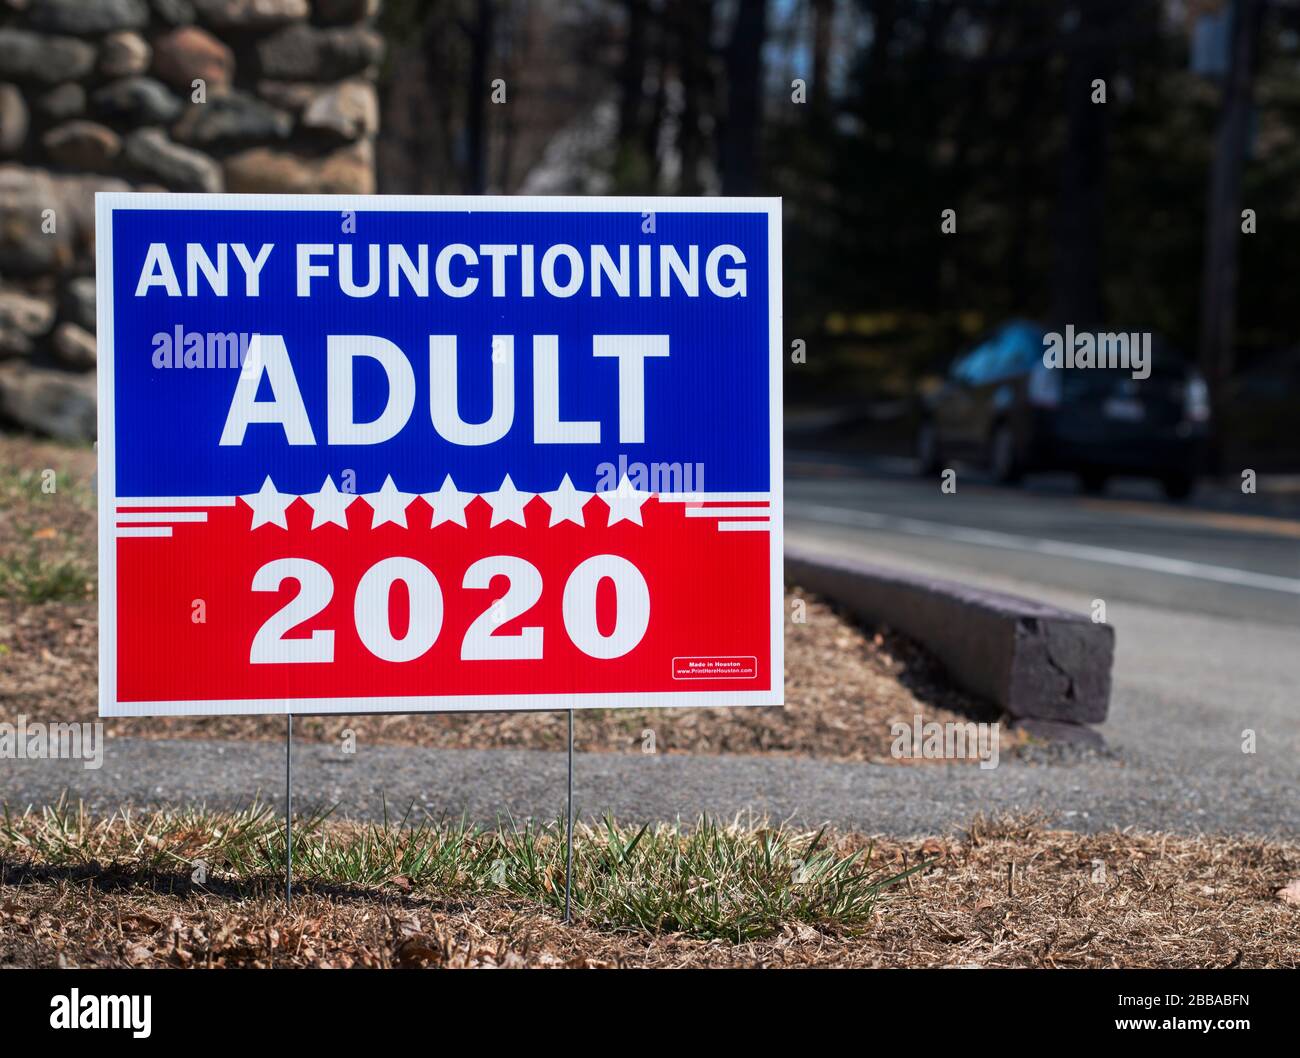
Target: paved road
{"x": 1232, "y": 564}
{"x": 1206, "y": 604}
{"x": 486, "y": 784}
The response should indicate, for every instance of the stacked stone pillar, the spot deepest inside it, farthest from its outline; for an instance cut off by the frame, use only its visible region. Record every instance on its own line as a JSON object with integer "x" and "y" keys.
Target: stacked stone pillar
{"x": 154, "y": 95}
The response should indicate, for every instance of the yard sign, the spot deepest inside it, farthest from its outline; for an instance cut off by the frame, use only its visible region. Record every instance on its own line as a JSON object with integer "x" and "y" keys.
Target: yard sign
{"x": 382, "y": 454}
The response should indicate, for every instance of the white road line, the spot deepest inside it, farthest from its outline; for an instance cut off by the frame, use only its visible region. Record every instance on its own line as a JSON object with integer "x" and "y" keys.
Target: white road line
{"x": 740, "y": 527}
{"x": 145, "y": 530}
{"x": 161, "y": 516}
{"x": 1087, "y": 552}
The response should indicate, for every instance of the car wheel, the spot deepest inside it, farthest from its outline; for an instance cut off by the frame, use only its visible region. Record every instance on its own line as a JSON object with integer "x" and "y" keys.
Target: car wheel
{"x": 1093, "y": 481}
{"x": 1003, "y": 460}
{"x": 1177, "y": 486}
{"x": 927, "y": 450}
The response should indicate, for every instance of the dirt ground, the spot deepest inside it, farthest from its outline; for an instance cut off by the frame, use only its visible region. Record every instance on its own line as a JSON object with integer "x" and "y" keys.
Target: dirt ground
{"x": 1005, "y": 894}
{"x": 845, "y": 687}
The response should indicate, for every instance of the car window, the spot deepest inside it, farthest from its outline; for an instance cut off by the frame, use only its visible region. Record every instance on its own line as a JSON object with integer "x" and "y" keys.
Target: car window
{"x": 999, "y": 363}
{"x": 1013, "y": 351}
{"x": 1023, "y": 347}
{"x": 974, "y": 367}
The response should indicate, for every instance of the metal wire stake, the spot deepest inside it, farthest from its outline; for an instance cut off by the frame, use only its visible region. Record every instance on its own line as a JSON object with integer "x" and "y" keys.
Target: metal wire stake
{"x": 288, "y": 810}
{"x": 568, "y": 828}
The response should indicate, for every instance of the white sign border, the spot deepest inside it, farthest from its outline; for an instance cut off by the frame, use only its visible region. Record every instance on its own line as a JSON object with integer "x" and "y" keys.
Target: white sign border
{"x": 105, "y": 205}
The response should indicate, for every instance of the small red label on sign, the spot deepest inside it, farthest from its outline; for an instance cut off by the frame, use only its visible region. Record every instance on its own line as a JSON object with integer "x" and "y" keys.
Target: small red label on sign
{"x": 716, "y": 668}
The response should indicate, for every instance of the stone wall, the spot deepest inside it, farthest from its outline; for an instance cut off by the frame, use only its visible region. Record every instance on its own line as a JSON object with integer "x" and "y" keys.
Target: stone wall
{"x": 154, "y": 95}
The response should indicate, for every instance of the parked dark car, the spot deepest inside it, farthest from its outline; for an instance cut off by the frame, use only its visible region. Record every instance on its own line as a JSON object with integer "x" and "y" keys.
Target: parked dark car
{"x": 1002, "y": 404}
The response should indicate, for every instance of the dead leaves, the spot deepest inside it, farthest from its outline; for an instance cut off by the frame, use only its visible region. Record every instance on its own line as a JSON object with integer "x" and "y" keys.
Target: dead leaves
{"x": 1150, "y": 911}
{"x": 417, "y": 952}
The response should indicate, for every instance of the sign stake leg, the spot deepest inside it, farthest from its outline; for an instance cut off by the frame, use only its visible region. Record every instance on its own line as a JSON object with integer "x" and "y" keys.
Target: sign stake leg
{"x": 288, "y": 811}
{"x": 568, "y": 829}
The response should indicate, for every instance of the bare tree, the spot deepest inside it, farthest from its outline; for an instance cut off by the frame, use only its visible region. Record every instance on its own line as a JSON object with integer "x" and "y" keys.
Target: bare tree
{"x": 1080, "y": 208}
{"x": 739, "y": 135}
{"x": 631, "y": 88}
{"x": 1223, "y": 215}
{"x": 823, "y": 24}
{"x": 479, "y": 31}
{"x": 693, "y": 30}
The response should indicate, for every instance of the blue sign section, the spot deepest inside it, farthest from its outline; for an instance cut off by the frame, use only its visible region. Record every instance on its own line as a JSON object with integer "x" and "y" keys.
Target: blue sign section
{"x": 706, "y": 403}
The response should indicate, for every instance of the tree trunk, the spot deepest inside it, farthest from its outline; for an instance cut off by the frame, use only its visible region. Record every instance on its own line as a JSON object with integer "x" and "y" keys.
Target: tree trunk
{"x": 693, "y": 25}
{"x": 1080, "y": 210}
{"x": 738, "y": 139}
{"x": 1223, "y": 213}
{"x": 631, "y": 85}
{"x": 477, "y": 102}
{"x": 823, "y": 20}
{"x": 658, "y": 108}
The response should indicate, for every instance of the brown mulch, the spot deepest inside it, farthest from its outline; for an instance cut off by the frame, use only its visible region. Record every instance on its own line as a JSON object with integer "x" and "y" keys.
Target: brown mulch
{"x": 1005, "y": 894}
{"x": 844, "y": 686}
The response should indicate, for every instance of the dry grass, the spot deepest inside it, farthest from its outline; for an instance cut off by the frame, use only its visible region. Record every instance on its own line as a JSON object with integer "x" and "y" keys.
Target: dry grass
{"x": 47, "y": 522}
{"x": 845, "y": 687}
{"x": 1005, "y": 893}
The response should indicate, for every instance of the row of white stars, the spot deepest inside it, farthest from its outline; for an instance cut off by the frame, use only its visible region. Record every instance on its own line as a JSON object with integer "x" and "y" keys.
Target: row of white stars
{"x": 329, "y": 506}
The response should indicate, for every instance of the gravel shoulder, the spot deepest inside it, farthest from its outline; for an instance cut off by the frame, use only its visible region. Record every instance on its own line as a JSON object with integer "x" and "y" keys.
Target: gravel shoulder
{"x": 1088, "y": 794}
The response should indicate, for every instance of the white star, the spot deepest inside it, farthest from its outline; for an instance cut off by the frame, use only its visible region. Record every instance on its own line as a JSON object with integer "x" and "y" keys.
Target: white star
{"x": 448, "y": 503}
{"x": 388, "y": 504}
{"x": 566, "y": 502}
{"x": 268, "y": 505}
{"x": 624, "y": 502}
{"x": 329, "y": 505}
{"x": 507, "y": 503}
